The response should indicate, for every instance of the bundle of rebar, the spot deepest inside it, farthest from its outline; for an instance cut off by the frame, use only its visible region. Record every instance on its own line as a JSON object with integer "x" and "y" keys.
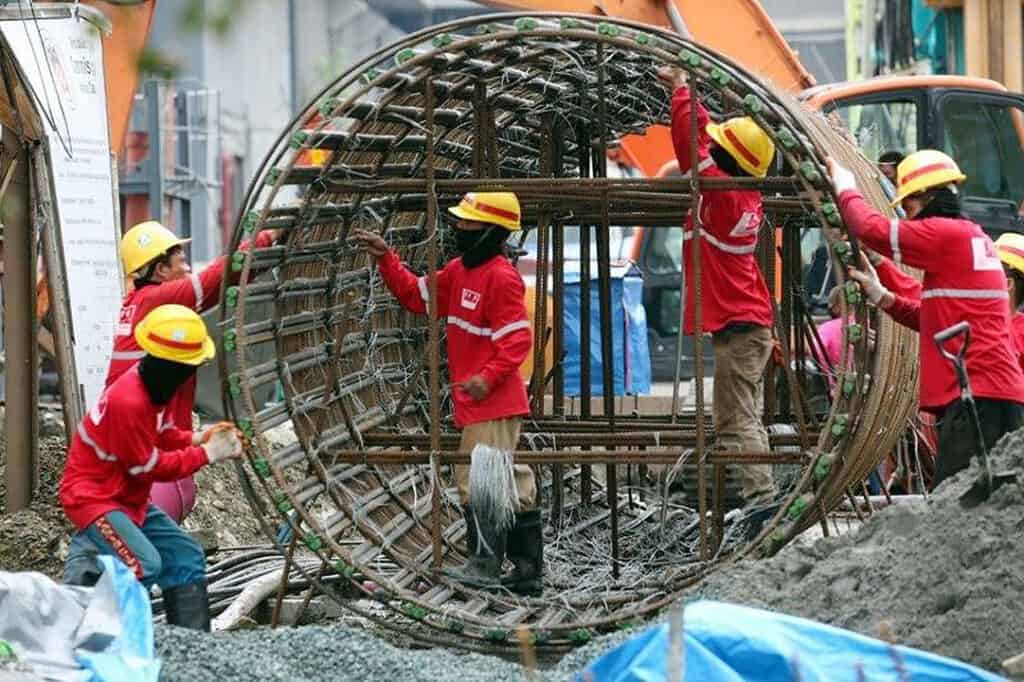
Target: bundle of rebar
{"x": 529, "y": 104}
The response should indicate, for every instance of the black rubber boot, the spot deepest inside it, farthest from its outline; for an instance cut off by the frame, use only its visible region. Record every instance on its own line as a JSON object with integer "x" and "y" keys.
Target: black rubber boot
{"x": 526, "y": 551}
{"x": 187, "y": 606}
{"x": 485, "y": 548}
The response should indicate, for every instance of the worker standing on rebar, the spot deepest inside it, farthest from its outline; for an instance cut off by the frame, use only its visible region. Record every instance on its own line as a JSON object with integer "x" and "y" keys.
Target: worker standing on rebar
{"x": 736, "y": 305}
{"x": 963, "y": 281}
{"x": 126, "y": 443}
{"x": 154, "y": 258}
{"x": 481, "y": 296}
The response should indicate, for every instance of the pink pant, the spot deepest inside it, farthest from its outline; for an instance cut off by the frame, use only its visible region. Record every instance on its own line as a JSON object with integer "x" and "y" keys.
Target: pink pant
{"x": 176, "y": 499}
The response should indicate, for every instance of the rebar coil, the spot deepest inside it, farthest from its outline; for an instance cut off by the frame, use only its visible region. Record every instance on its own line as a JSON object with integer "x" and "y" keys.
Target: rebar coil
{"x": 516, "y": 98}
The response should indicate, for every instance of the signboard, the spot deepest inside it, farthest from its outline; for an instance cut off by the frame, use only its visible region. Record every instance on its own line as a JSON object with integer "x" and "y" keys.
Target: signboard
{"x": 62, "y": 59}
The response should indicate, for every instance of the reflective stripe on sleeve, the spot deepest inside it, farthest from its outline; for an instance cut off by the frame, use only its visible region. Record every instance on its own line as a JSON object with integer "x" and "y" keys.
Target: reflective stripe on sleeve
{"x": 965, "y": 293}
{"x": 734, "y": 249}
{"x": 894, "y": 240}
{"x": 154, "y": 457}
{"x": 509, "y": 328}
{"x": 197, "y": 288}
{"x": 100, "y": 452}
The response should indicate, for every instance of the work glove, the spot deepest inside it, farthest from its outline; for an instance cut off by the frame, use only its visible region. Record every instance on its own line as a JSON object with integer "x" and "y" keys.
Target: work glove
{"x": 869, "y": 283}
{"x": 842, "y": 179}
{"x": 223, "y": 444}
{"x": 203, "y": 435}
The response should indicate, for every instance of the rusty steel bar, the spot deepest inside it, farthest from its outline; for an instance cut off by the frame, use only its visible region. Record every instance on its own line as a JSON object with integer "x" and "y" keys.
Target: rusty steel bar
{"x": 698, "y": 334}
{"x": 558, "y": 324}
{"x": 564, "y": 439}
{"x": 567, "y": 457}
{"x": 434, "y": 340}
{"x": 583, "y": 145}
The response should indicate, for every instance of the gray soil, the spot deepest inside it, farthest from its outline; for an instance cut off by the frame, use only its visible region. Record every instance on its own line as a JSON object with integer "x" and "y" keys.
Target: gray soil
{"x": 938, "y": 576}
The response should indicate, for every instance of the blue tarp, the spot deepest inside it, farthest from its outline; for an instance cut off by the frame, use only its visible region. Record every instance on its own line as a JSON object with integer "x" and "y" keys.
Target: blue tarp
{"x": 729, "y": 643}
{"x": 632, "y": 359}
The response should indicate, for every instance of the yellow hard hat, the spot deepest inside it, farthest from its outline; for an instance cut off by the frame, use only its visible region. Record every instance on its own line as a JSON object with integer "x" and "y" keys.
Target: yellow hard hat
{"x": 1010, "y": 247}
{"x": 746, "y": 142}
{"x": 146, "y": 242}
{"x": 174, "y": 332}
{"x": 496, "y": 208}
{"x": 923, "y": 170}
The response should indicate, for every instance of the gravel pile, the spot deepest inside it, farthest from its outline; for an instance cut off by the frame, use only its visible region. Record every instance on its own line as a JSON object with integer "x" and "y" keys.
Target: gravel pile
{"x": 939, "y": 576}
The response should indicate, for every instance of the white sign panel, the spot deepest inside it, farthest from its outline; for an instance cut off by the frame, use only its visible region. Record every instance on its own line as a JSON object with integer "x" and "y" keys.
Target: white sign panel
{"x": 63, "y": 60}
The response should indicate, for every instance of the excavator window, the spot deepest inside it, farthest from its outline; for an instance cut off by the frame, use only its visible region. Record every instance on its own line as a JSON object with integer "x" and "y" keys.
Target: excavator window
{"x": 882, "y": 126}
{"x": 984, "y": 138}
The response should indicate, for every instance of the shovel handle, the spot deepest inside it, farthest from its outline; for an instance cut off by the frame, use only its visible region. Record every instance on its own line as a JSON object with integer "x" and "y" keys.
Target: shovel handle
{"x": 958, "y": 329}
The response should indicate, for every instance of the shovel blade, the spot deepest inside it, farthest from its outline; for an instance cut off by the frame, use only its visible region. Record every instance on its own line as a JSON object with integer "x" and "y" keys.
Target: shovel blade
{"x": 982, "y": 488}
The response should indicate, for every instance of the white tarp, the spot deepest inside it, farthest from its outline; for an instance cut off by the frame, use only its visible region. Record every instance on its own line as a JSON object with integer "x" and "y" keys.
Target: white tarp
{"x": 63, "y": 61}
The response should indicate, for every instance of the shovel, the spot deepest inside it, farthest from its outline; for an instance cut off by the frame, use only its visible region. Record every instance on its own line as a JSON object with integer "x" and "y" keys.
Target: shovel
{"x": 982, "y": 488}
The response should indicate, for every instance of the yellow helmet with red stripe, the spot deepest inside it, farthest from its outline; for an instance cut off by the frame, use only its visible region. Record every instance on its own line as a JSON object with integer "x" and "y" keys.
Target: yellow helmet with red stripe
{"x": 924, "y": 170}
{"x": 496, "y": 208}
{"x": 174, "y": 332}
{"x": 1010, "y": 247}
{"x": 746, "y": 142}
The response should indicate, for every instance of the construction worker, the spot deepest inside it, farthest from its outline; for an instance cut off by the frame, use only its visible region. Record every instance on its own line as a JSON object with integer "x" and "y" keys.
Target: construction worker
{"x": 887, "y": 164}
{"x": 1010, "y": 247}
{"x": 963, "y": 281}
{"x": 481, "y": 296}
{"x": 154, "y": 258}
{"x": 127, "y": 442}
{"x": 736, "y": 306}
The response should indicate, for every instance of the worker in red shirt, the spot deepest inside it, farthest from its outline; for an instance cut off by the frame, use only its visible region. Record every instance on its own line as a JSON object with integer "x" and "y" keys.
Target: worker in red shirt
{"x": 154, "y": 257}
{"x": 963, "y": 281}
{"x": 736, "y": 306}
{"x": 481, "y": 297}
{"x": 126, "y": 443}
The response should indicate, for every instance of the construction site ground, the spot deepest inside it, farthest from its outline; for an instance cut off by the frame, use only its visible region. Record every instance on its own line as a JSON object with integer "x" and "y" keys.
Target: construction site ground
{"x": 932, "y": 575}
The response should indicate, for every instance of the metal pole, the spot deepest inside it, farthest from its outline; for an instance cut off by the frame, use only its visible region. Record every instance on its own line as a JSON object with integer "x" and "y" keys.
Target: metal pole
{"x": 605, "y": 299}
{"x": 558, "y": 332}
{"x": 434, "y": 338}
{"x": 583, "y": 146}
{"x": 20, "y": 328}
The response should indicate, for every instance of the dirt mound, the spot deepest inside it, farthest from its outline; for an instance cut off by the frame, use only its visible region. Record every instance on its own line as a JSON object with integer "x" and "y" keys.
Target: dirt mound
{"x": 942, "y": 577}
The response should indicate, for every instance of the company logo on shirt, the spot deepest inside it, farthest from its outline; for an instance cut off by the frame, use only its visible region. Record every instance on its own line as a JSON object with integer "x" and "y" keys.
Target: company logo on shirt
{"x": 984, "y": 252}
{"x": 470, "y": 299}
{"x": 124, "y": 322}
{"x": 748, "y": 224}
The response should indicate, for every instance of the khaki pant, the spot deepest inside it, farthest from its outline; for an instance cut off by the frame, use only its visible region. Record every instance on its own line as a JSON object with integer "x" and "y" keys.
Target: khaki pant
{"x": 502, "y": 434}
{"x": 740, "y": 359}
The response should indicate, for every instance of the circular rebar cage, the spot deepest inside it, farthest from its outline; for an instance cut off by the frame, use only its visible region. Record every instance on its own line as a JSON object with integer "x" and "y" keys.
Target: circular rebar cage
{"x": 331, "y": 379}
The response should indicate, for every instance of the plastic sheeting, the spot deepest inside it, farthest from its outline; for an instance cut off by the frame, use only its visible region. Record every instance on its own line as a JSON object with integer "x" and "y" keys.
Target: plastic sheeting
{"x": 632, "y": 358}
{"x": 102, "y": 633}
{"x": 729, "y": 643}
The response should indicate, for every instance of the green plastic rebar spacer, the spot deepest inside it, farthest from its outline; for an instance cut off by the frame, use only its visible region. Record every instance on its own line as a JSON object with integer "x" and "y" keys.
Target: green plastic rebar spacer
{"x": 606, "y": 29}
{"x": 299, "y": 139}
{"x": 484, "y": 29}
{"x": 526, "y": 24}
{"x": 720, "y": 78}
{"x": 799, "y": 506}
{"x": 843, "y": 252}
{"x": 273, "y": 175}
{"x": 787, "y": 139}
{"x": 810, "y": 173}
{"x": 234, "y": 386}
{"x": 853, "y": 296}
{"x": 854, "y": 332}
{"x": 7, "y": 651}
{"x": 402, "y": 56}
{"x": 642, "y": 38}
{"x": 250, "y": 221}
{"x": 541, "y": 636}
{"x": 232, "y": 296}
{"x": 442, "y": 40}
{"x": 823, "y": 467}
{"x": 414, "y": 611}
{"x": 831, "y": 213}
{"x": 455, "y": 626}
{"x": 237, "y": 261}
{"x": 245, "y": 426}
{"x": 327, "y": 107}
{"x": 261, "y": 467}
{"x": 690, "y": 58}
{"x": 369, "y": 76}
{"x": 343, "y": 569}
{"x": 312, "y": 541}
{"x": 753, "y": 104}
{"x": 849, "y": 385}
{"x": 281, "y": 503}
{"x": 839, "y": 425}
{"x": 580, "y": 636}
{"x": 229, "y": 340}
{"x": 496, "y": 635}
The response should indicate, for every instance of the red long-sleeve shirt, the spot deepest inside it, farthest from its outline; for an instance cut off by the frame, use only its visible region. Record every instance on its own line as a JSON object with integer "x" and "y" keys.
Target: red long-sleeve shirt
{"x": 906, "y": 308}
{"x": 123, "y": 445}
{"x": 198, "y": 291}
{"x": 963, "y": 280}
{"x": 487, "y": 328}
{"x": 1017, "y": 335}
{"x": 732, "y": 288}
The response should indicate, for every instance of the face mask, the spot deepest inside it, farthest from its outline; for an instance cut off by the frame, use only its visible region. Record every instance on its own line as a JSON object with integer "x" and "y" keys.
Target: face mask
{"x": 465, "y": 240}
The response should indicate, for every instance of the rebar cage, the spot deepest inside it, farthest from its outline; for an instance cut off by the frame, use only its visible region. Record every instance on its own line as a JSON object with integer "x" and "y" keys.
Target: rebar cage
{"x": 354, "y": 451}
